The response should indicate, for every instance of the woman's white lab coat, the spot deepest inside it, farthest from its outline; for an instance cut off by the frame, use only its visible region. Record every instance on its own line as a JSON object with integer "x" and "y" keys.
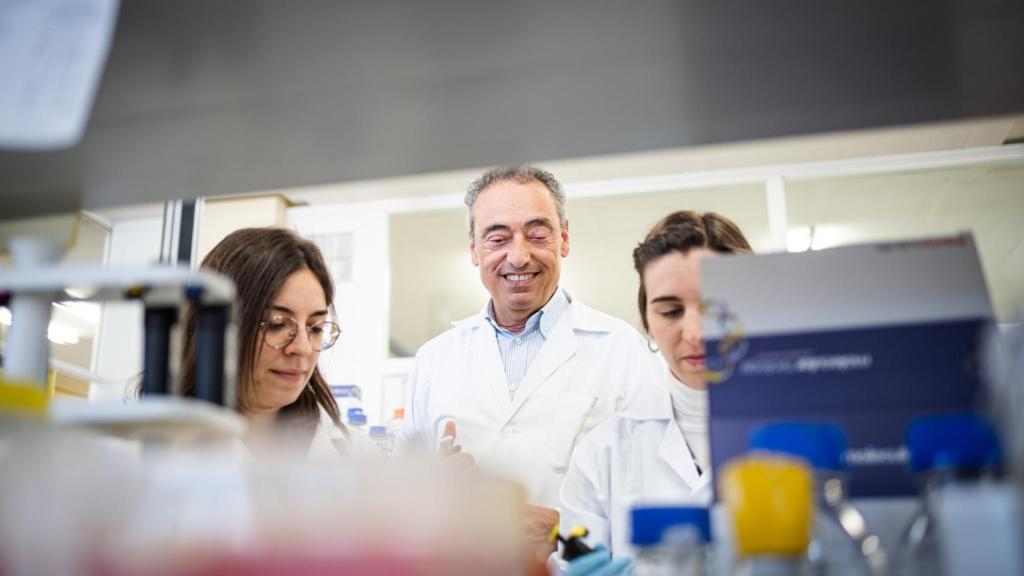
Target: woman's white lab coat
{"x": 639, "y": 457}
{"x": 330, "y": 442}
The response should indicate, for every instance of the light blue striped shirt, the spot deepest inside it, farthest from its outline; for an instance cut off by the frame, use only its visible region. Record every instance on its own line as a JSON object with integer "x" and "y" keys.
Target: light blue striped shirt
{"x": 519, "y": 350}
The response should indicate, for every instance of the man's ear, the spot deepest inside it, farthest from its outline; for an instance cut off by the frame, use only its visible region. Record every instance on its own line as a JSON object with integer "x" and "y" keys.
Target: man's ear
{"x": 472, "y": 252}
{"x": 565, "y": 239}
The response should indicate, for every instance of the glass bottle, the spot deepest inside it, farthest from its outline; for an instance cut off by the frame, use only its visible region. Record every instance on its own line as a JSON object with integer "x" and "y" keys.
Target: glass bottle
{"x": 671, "y": 540}
{"x": 842, "y": 544}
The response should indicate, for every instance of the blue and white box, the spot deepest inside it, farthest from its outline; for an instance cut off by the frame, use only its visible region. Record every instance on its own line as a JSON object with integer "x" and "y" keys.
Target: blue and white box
{"x": 869, "y": 337}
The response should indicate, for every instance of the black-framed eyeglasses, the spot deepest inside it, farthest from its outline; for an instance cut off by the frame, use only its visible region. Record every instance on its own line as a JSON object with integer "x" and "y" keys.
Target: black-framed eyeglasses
{"x": 280, "y": 331}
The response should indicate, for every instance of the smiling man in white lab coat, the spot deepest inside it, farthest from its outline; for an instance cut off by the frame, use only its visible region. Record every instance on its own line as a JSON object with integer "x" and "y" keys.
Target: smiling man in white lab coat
{"x": 530, "y": 374}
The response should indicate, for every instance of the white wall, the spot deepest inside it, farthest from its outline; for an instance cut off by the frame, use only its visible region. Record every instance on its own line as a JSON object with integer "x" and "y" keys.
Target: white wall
{"x": 222, "y": 216}
{"x": 361, "y": 295}
{"x": 435, "y": 283}
{"x": 118, "y": 351}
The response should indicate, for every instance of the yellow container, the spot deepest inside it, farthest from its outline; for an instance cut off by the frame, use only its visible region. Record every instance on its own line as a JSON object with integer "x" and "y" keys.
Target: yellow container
{"x": 24, "y": 397}
{"x": 771, "y": 502}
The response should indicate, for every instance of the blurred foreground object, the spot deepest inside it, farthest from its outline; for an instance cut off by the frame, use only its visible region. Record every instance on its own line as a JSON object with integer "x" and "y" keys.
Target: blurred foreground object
{"x": 843, "y": 543}
{"x": 771, "y": 504}
{"x": 52, "y": 54}
{"x": 832, "y": 335}
{"x": 82, "y": 504}
{"x": 36, "y": 281}
{"x": 1004, "y": 377}
{"x": 672, "y": 540}
{"x": 969, "y": 520}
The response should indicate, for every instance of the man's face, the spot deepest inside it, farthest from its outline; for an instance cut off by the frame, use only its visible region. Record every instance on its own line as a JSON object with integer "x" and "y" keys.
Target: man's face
{"x": 518, "y": 244}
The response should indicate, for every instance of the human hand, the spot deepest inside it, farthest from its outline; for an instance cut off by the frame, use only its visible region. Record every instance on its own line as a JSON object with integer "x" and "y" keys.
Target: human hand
{"x": 599, "y": 563}
{"x": 450, "y": 452}
{"x": 537, "y": 525}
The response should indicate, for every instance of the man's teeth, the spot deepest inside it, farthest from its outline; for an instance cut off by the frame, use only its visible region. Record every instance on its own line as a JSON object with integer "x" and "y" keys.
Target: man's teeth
{"x": 518, "y": 277}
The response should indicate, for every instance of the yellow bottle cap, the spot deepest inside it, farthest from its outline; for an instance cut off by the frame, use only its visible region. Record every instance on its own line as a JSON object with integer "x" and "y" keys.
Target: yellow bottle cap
{"x": 771, "y": 503}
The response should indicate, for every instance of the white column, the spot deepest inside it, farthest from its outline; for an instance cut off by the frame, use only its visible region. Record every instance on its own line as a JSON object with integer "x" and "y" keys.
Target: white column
{"x": 775, "y": 196}
{"x": 28, "y": 349}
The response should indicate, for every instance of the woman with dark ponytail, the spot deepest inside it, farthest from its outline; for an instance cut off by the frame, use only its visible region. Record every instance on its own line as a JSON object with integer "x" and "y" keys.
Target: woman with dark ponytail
{"x": 655, "y": 450}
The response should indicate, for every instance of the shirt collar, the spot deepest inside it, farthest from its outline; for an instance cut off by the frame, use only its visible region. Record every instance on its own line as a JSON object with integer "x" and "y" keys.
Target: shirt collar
{"x": 547, "y": 317}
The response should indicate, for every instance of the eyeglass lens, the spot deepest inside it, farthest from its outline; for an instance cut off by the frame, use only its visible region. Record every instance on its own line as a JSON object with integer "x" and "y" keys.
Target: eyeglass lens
{"x": 279, "y": 331}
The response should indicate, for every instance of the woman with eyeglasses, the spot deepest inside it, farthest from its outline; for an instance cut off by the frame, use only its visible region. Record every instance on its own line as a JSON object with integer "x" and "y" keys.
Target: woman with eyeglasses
{"x": 284, "y": 311}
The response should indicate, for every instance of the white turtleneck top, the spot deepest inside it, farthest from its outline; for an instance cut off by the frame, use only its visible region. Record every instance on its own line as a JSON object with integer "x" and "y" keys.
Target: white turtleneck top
{"x": 690, "y": 411}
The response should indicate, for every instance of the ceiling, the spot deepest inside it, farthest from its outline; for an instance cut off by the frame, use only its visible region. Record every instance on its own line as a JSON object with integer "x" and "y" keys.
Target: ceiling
{"x": 212, "y": 97}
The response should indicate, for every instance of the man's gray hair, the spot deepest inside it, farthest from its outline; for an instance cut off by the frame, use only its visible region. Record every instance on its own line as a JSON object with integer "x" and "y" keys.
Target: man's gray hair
{"x": 522, "y": 175}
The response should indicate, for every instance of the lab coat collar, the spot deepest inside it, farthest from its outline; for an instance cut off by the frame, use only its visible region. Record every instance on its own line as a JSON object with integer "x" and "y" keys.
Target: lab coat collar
{"x": 558, "y": 348}
{"x": 675, "y": 452}
{"x": 579, "y": 316}
{"x": 560, "y": 345}
{"x": 544, "y": 319}
{"x": 486, "y": 361}
{"x": 654, "y": 402}
{"x": 583, "y": 318}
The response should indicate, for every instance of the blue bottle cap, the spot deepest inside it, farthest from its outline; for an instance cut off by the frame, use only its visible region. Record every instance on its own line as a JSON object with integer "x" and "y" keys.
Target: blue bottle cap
{"x": 821, "y": 445}
{"x": 651, "y": 523}
{"x": 346, "y": 391}
{"x": 958, "y": 441}
{"x": 356, "y": 416}
{"x": 378, "y": 431}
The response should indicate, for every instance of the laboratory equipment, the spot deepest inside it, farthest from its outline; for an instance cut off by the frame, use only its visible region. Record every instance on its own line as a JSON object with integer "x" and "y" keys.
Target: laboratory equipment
{"x": 395, "y": 424}
{"x": 849, "y": 330}
{"x": 584, "y": 560}
{"x": 843, "y": 543}
{"x": 573, "y": 545}
{"x": 770, "y": 502}
{"x": 76, "y": 503}
{"x": 356, "y": 419}
{"x": 35, "y": 282}
{"x": 382, "y": 439}
{"x": 947, "y": 451}
{"x": 671, "y": 541}
{"x": 347, "y": 396}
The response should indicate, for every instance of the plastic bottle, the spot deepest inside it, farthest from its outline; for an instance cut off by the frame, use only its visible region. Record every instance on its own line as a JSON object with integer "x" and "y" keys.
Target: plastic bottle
{"x": 671, "y": 541}
{"x": 842, "y": 544}
{"x": 770, "y": 504}
{"x": 356, "y": 419}
{"x": 381, "y": 438}
{"x": 946, "y": 452}
{"x": 348, "y": 396}
{"x": 395, "y": 425}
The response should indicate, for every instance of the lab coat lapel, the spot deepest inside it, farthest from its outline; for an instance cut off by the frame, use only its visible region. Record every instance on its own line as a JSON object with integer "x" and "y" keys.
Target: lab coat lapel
{"x": 487, "y": 365}
{"x": 676, "y": 454}
{"x": 556, "y": 351}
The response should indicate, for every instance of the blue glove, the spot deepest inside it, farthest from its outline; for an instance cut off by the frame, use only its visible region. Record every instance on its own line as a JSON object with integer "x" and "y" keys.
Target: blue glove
{"x": 599, "y": 563}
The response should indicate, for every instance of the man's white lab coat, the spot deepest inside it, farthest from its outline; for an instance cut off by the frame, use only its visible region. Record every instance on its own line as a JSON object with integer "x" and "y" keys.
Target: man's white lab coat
{"x": 639, "y": 457}
{"x": 578, "y": 379}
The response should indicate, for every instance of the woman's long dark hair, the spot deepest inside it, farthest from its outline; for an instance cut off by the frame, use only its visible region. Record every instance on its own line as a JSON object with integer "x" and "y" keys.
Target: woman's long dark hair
{"x": 681, "y": 232}
{"x": 259, "y": 261}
